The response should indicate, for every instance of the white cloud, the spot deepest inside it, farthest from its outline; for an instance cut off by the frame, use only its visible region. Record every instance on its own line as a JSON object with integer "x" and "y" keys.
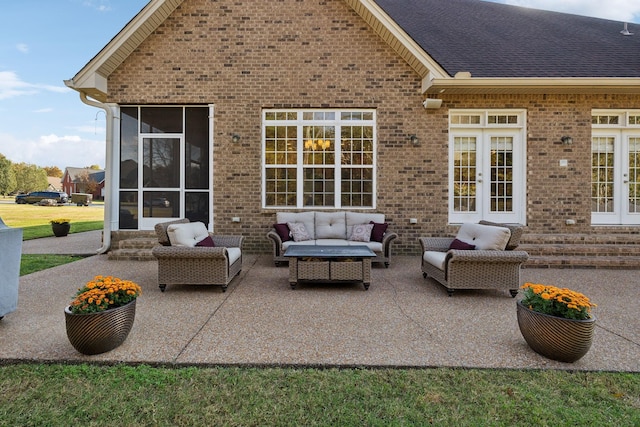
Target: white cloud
{"x": 99, "y": 5}
{"x": 53, "y": 150}
{"x": 12, "y": 86}
{"x": 617, "y": 10}
{"x": 22, "y": 47}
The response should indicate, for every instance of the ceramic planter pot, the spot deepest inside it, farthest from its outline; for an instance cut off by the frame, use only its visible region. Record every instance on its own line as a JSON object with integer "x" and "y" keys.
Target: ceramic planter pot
{"x": 61, "y": 230}
{"x": 96, "y": 333}
{"x": 565, "y": 340}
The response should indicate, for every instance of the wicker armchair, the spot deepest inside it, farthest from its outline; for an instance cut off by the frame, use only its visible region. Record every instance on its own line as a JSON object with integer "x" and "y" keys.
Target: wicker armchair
{"x": 475, "y": 269}
{"x": 181, "y": 265}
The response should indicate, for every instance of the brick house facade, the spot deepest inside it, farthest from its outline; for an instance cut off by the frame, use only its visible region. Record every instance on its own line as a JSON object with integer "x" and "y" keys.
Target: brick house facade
{"x": 242, "y": 58}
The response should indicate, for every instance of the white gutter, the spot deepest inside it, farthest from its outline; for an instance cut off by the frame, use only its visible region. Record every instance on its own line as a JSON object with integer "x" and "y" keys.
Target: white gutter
{"x": 108, "y": 170}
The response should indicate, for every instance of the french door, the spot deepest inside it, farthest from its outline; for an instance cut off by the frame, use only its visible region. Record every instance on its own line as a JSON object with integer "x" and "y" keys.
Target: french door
{"x": 615, "y": 174}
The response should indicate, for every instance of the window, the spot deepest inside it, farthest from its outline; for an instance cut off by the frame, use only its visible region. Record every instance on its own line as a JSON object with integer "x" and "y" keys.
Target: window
{"x": 487, "y": 166}
{"x": 319, "y": 159}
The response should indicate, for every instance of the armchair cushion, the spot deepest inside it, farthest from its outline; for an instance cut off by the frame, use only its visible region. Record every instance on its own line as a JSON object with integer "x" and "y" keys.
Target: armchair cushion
{"x": 484, "y": 237}
{"x": 435, "y": 258}
{"x": 187, "y": 234}
{"x": 234, "y": 254}
{"x": 516, "y": 233}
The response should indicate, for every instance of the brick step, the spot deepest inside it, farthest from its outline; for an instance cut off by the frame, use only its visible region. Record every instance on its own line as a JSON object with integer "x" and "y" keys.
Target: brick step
{"x": 131, "y": 255}
{"x": 580, "y": 239}
{"x": 609, "y": 262}
{"x": 138, "y": 243}
{"x": 611, "y": 250}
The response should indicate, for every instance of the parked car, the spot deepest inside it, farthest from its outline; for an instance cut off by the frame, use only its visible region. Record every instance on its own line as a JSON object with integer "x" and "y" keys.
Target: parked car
{"x": 36, "y": 196}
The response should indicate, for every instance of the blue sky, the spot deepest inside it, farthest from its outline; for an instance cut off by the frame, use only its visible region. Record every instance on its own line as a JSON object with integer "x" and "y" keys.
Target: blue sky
{"x": 43, "y": 42}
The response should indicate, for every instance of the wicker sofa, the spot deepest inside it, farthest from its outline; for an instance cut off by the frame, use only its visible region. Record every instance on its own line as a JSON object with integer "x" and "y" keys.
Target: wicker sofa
{"x": 493, "y": 262}
{"x": 181, "y": 265}
{"x": 332, "y": 228}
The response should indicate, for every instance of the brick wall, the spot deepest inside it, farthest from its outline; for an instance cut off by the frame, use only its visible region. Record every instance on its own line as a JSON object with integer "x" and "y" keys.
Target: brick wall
{"x": 244, "y": 56}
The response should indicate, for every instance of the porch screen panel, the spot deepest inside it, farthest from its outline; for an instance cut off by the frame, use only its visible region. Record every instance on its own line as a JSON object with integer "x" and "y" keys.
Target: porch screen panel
{"x": 197, "y": 148}
{"x": 464, "y": 174}
{"x": 129, "y": 147}
{"x": 634, "y": 175}
{"x": 602, "y": 174}
{"x": 501, "y": 174}
{"x": 281, "y": 157}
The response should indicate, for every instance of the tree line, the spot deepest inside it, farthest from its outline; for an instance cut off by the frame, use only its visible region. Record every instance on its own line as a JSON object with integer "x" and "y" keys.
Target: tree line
{"x": 24, "y": 177}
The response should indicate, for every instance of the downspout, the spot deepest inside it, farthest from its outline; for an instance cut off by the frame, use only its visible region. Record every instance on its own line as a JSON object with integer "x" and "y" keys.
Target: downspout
{"x": 108, "y": 177}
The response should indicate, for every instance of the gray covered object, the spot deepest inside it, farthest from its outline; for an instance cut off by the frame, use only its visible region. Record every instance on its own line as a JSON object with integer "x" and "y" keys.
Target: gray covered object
{"x": 10, "y": 253}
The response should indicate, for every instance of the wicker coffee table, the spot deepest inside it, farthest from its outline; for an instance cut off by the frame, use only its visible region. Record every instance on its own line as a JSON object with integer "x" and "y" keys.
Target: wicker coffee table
{"x": 328, "y": 264}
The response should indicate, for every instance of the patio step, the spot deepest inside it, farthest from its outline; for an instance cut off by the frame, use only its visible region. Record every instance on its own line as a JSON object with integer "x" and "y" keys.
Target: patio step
{"x": 618, "y": 251}
{"x": 134, "y": 249}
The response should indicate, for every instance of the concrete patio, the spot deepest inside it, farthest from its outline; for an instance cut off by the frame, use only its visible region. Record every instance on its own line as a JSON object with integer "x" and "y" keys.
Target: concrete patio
{"x": 403, "y": 320}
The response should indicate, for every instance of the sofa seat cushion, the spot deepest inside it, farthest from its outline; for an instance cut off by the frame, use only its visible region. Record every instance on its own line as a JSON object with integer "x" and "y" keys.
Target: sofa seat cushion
{"x": 187, "y": 234}
{"x": 285, "y": 245}
{"x": 435, "y": 258}
{"x": 374, "y": 246}
{"x": 484, "y": 237}
{"x": 234, "y": 254}
{"x": 331, "y": 225}
{"x": 332, "y": 242}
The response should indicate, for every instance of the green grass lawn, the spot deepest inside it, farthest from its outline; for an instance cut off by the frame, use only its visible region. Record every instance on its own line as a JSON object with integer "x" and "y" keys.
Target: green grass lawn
{"x": 34, "y": 221}
{"x": 143, "y": 395}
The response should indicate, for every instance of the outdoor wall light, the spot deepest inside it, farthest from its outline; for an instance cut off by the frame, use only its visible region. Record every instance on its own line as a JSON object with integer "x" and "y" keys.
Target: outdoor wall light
{"x": 566, "y": 140}
{"x": 235, "y": 138}
{"x": 414, "y": 140}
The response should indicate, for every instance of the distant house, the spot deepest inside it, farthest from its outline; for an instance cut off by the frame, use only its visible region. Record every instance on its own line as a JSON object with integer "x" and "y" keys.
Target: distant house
{"x": 55, "y": 183}
{"x": 84, "y": 180}
{"x": 433, "y": 112}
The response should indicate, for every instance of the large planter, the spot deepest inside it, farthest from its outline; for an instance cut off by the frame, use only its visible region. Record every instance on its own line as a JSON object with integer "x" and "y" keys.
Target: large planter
{"x": 61, "y": 230}
{"x": 565, "y": 340}
{"x": 96, "y": 333}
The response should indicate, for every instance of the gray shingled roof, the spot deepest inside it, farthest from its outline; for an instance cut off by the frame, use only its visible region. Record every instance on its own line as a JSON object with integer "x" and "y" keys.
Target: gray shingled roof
{"x": 497, "y": 40}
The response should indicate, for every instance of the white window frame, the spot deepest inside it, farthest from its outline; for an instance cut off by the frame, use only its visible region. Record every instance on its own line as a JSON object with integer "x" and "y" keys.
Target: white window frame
{"x": 337, "y": 123}
{"x": 484, "y": 124}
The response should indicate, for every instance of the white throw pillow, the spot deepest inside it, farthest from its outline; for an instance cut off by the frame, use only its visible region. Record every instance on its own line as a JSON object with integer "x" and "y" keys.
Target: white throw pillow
{"x": 298, "y": 231}
{"x": 361, "y": 233}
{"x": 187, "y": 234}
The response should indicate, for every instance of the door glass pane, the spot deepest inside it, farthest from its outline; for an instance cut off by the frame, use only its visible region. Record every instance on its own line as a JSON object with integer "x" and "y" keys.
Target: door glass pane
{"x": 197, "y": 207}
{"x": 501, "y": 174}
{"x": 464, "y": 174}
{"x": 161, "y": 204}
{"x": 128, "y": 216}
{"x": 602, "y": 150}
{"x": 634, "y": 175}
{"x": 161, "y": 158}
{"x": 129, "y": 147}
{"x": 161, "y": 120}
{"x": 197, "y": 148}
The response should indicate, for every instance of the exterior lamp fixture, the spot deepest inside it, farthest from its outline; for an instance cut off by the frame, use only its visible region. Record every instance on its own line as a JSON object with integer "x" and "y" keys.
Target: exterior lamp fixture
{"x": 235, "y": 138}
{"x": 566, "y": 140}
{"x": 414, "y": 140}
